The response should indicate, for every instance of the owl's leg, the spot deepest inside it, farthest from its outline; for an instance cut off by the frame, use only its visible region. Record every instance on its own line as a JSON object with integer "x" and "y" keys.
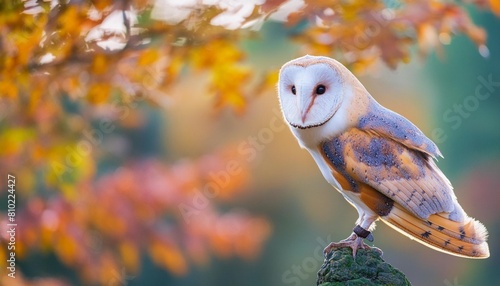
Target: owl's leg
{"x": 355, "y": 240}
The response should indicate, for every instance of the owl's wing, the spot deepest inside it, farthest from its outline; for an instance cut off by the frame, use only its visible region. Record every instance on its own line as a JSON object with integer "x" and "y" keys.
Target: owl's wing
{"x": 388, "y": 123}
{"x": 392, "y": 156}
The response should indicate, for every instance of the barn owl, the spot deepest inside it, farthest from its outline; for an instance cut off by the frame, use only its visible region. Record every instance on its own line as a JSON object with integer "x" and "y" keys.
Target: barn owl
{"x": 378, "y": 160}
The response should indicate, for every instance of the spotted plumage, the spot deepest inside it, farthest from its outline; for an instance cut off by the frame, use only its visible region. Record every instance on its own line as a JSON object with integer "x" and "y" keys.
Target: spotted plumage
{"x": 364, "y": 157}
{"x": 377, "y": 159}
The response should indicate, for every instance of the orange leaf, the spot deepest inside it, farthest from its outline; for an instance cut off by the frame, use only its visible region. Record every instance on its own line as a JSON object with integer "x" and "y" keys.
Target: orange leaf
{"x": 175, "y": 262}
{"x": 427, "y": 37}
{"x": 130, "y": 256}
{"x": 148, "y": 57}
{"x": 99, "y": 65}
{"x": 69, "y": 21}
{"x": 495, "y": 7}
{"x": 98, "y": 93}
{"x": 169, "y": 257}
{"x": 174, "y": 68}
{"x": 8, "y": 89}
{"x": 66, "y": 248}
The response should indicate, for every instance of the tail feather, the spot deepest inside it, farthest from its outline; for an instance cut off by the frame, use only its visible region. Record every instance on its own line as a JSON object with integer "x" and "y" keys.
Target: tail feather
{"x": 466, "y": 238}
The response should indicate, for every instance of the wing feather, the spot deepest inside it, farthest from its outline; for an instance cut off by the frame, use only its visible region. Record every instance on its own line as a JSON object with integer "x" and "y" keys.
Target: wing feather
{"x": 390, "y": 124}
{"x": 407, "y": 176}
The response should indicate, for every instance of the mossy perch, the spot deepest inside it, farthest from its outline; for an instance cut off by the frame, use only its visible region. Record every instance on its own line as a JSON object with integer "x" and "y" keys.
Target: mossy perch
{"x": 340, "y": 268}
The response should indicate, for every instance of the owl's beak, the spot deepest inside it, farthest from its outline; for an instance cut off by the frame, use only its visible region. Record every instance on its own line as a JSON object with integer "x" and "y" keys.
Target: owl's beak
{"x": 303, "y": 116}
{"x": 305, "y": 104}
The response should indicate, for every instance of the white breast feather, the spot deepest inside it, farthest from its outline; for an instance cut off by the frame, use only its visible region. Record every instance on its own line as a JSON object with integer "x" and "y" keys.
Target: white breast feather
{"x": 311, "y": 138}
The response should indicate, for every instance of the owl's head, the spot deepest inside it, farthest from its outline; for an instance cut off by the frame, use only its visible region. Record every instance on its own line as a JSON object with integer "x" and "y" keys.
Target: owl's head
{"x": 310, "y": 90}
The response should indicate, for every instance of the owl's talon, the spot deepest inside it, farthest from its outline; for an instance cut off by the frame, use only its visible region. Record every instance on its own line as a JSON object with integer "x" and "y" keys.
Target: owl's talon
{"x": 353, "y": 241}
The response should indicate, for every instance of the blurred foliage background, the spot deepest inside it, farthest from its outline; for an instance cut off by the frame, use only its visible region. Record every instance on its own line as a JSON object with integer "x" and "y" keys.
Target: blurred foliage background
{"x": 149, "y": 149}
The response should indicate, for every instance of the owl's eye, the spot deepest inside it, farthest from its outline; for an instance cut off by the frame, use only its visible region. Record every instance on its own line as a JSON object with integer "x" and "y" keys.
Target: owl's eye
{"x": 320, "y": 89}
{"x": 293, "y": 89}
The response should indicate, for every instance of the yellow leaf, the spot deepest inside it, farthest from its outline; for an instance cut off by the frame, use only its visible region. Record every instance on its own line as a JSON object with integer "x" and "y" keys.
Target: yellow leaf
{"x": 3, "y": 257}
{"x": 271, "y": 79}
{"x": 148, "y": 57}
{"x": 227, "y": 82}
{"x": 175, "y": 261}
{"x": 69, "y": 163}
{"x": 173, "y": 69}
{"x": 13, "y": 140}
{"x": 99, "y": 65}
{"x": 27, "y": 184}
{"x": 69, "y": 21}
{"x": 8, "y": 89}
{"x": 44, "y": 238}
{"x": 130, "y": 256}
{"x": 34, "y": 100}
{"x": 169, "y": 257}
{"x": 495, "y": 7}
{"x": 215, "y": 53}
{"x": 69, "y": 191}
{"x": 362, "y": 65}
{"x": 66, "y": 248}
{"x": 234, "y": 99}
{"x": 98, "y": 93}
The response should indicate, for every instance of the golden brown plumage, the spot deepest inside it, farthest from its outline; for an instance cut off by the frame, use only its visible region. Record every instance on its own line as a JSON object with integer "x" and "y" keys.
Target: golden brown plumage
{"x": 404, "y": 187}
{"x": 465, "y": 239}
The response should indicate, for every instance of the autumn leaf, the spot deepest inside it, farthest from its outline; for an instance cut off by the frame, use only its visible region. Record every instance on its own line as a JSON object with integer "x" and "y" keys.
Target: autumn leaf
{"x": 8, "y": 89}
{"x": 169, "y": 257}
{"x": 130, "y": 256}
{"x": 495, "y": 6}
{"x": 99, "y": 65}
{"x": 98, "y": 93}
{"x": 148, "y": 57}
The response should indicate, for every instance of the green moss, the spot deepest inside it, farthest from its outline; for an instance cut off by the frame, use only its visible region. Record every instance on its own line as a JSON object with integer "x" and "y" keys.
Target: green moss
{"x": 368, "y": 268}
